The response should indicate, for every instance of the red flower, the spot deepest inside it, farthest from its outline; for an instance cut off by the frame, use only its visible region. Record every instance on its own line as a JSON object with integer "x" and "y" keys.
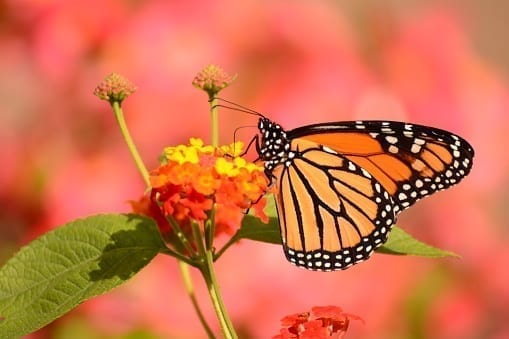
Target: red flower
{"x": 321, "y": 322}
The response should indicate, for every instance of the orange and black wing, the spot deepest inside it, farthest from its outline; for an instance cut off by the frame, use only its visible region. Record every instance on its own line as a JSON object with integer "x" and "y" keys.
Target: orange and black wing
{"x": 332, "y": 212}
{"x": 340, "y": 186}
{"x": 410, "y": 161}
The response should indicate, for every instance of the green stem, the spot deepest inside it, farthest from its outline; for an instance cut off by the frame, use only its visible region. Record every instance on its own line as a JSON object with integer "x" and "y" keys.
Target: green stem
{"x": 184, "y": 242}
{"x": 186, "y": 276}
{"x": 210, "y": 228}
{"x": 215, "y": 295}
{"x": 208, "y": 273}
{"x": 198, "y": 238}
{"x": 129, "y": 141}
{"x": 207, "y": 269}
{"x": 214, "y": 122}
{"x": 183, "y": 261}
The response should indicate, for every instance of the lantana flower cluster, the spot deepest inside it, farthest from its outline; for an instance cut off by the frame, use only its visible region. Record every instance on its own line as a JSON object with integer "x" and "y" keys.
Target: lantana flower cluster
{"x": 194, "y": 179}
{"x": 321, "y": 322}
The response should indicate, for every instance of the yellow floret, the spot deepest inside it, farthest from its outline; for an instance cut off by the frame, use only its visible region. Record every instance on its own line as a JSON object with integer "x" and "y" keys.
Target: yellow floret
{"x": 225, "y": 167}
{"x": 182, "y": 154}
{"x": 197, "y": 143}
{"x": 234, "y": 149}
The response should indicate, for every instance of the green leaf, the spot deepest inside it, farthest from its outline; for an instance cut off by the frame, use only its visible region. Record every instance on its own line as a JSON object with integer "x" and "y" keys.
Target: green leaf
{"x": 402, "y": 243}
{"x": 75, "y": 262}
{"x": 254, "y": 229}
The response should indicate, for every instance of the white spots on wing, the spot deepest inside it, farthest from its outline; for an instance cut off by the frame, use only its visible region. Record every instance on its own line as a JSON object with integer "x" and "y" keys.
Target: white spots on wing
{"x": 418, "y": 141}
{"x": 360, "y": 125}
{"x": 329, "y": 150}
{"x": 365, "y": 173}
{"x": 391, "y": 139}
{"x": 415, "y": 148}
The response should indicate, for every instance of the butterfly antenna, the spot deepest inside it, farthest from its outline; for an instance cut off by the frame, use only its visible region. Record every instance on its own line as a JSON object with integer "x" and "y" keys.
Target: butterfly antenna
{"x": 237, "y": 107}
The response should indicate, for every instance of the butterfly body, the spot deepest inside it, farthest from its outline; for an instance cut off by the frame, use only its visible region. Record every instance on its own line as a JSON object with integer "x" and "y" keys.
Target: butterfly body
{"x": 340, "y": 186}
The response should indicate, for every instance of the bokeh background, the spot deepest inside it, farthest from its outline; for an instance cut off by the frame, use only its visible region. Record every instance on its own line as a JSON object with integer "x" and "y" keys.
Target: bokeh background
{"x": 440, "y": 63}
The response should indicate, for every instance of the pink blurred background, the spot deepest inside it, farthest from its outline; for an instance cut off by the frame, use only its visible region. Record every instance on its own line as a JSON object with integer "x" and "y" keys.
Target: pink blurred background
{"x": 437, "y": 63}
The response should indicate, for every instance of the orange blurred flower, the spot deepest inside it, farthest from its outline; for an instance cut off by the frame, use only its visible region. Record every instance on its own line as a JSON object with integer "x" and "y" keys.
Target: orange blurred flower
{"x": 194, "y": 179}
{"x": 321, "y": 322}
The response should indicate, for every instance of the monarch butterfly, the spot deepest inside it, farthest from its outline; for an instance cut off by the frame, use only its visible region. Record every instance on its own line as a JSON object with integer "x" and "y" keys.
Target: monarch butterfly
{"x": 339, "y": 186}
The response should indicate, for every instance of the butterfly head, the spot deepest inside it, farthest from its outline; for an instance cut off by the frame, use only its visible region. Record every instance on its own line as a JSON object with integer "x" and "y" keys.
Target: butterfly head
{"x": 274, "y": 146}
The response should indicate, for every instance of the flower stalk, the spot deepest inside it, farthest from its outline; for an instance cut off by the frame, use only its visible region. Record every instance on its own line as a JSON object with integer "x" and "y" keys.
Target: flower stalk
{"x": 214, "y": 122}
{"x": 209, "y": 275}
{"x": 119, "y": 115}
{"x": 207, "y": 270}
{"x": 114, "y": 89}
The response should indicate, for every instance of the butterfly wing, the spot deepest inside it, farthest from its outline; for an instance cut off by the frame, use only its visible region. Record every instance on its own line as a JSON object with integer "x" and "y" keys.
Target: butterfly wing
{"x": 410, "y": 161}
{"x": 332, "y": 212}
